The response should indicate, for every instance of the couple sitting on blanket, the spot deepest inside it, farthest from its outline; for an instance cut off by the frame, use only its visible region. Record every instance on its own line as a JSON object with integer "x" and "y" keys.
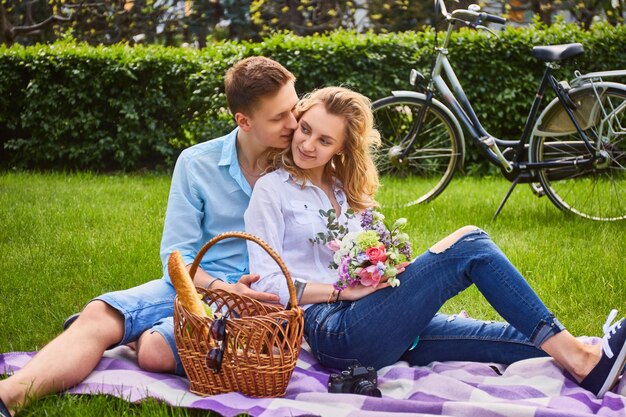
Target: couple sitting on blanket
{"x": 302, "y": 156}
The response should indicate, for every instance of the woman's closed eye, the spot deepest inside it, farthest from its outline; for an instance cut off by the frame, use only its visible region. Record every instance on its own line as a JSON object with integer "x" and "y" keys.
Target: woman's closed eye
{"x": 304, "y": 128}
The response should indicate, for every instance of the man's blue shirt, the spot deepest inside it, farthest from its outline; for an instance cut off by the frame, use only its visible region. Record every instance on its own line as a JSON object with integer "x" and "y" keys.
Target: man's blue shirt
{"x": 208, "y": 196}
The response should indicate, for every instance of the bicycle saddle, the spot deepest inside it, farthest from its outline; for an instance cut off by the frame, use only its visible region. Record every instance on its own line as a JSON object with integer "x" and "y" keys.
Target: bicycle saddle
{"x": 554, "y": 53}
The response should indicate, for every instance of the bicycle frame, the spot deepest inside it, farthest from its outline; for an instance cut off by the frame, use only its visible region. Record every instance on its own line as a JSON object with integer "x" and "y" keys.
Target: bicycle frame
{"x": 490, "y": 145}
{"x": 570, "y": 149}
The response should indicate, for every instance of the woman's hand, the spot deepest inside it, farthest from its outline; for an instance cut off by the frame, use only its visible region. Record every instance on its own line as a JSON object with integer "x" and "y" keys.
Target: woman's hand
{"x": 359, "y": 291}
{"x": 402, "y": 266}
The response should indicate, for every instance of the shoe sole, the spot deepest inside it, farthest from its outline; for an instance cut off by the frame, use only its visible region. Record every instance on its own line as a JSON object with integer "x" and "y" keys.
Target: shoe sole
{"x": 615, "y": 372}
{"x": 4, "y": 410}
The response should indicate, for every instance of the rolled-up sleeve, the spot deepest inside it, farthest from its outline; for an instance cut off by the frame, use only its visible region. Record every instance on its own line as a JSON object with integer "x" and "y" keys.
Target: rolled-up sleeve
{"x": 264, "y": 219}
{"x": 182, "y": 229}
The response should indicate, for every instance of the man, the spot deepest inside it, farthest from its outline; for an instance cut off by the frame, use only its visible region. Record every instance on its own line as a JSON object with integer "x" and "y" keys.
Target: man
{"x": 210, "y": 191}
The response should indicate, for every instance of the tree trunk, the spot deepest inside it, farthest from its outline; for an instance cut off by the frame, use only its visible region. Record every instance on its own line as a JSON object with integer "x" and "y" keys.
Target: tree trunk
{"x": 6, "y": 28}
{"x": 543, "y": 9}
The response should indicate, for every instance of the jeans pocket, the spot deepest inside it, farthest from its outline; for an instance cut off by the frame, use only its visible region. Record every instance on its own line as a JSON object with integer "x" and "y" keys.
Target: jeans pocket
{"x": 334, "y": 362}
{"x": 319, "y": 314}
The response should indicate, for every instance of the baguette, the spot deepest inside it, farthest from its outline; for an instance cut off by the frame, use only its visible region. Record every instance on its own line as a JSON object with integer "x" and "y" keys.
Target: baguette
{"x": 183, "y": 284}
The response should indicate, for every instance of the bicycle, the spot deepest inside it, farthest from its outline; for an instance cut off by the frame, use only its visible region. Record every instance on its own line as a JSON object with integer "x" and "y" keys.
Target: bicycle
{"x": 574, "y": 151}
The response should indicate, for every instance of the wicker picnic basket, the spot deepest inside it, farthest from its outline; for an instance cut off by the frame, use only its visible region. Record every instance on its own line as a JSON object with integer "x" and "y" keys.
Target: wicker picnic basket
{"x": 262, "y": 344}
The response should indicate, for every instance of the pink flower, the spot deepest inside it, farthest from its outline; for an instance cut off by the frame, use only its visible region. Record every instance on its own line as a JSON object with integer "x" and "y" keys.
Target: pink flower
{"x": 377, "y": 254}
{"x": 370, "y": 276}
{"x": 334, "y": 245}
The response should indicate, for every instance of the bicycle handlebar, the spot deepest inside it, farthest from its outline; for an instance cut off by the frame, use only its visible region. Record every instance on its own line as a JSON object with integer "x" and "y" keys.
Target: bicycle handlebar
{"x": 493, "y": 18}
{"x": 441, "y": 6}
{"x": 469, "y": 16}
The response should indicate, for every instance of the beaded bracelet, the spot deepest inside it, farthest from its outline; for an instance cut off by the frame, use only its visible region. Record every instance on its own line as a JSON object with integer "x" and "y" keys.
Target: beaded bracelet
{"x": 332, "y": 294}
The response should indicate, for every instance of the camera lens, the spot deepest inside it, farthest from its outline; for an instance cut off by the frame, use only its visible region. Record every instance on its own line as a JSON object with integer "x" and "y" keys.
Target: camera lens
{"x": 365, "y": 387}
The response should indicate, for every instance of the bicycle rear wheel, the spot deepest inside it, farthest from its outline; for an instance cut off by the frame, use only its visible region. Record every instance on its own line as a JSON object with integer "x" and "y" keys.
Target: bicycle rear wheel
{"x": 433, "y": 154}
{"x": 598, "y": 190}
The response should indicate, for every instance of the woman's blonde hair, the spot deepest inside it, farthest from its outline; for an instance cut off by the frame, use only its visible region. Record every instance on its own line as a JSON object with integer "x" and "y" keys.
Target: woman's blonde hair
{"x": 354, "y": 167}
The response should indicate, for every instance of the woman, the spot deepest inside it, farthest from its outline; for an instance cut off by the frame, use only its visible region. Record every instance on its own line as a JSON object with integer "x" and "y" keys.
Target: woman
{"x": 329, "y": 165}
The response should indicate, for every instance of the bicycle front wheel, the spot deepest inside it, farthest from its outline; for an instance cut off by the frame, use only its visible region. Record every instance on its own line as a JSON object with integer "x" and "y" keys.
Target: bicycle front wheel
{"x": 595, "y": 190}
{"x": 424, "y": 158}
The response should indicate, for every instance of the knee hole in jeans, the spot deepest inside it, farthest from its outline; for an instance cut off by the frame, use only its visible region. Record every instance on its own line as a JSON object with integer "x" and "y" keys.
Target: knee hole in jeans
{"x": 451, "y": 239}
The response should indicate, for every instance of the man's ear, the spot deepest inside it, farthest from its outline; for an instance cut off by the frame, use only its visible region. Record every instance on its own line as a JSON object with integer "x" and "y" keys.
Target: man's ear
{"x": 243, "y": 121}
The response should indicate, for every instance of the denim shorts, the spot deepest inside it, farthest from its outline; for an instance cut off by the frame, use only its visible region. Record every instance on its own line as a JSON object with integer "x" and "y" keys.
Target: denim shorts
{"x": 149, "y": 306}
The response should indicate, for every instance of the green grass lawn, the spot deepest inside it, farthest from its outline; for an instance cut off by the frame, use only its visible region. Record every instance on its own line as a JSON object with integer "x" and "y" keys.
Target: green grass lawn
{"x": 65, "y": 238}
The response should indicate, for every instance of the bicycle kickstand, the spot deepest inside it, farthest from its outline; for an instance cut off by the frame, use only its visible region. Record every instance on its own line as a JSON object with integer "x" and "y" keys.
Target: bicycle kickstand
{"x": 506, "y": 197}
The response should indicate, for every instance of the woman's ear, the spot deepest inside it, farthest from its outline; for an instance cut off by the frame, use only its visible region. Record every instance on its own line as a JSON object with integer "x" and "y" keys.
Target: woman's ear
{"x": 243, "y": 121}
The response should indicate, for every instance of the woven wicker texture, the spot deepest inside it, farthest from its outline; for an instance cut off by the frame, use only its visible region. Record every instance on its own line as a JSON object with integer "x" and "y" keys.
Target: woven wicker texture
{"x": 262, "y": 341}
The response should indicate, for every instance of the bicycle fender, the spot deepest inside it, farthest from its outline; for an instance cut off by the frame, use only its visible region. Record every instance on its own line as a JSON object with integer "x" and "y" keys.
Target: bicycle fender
{"x": 443, "y": 108}
{"x": 555, "y": 103}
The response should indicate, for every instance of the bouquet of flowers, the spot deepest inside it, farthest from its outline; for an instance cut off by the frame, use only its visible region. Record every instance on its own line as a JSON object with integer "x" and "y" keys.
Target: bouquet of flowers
{"x": 366, "y": 257}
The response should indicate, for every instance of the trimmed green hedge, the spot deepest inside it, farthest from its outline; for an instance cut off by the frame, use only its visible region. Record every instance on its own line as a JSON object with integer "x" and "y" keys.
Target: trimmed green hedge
{"x": 68, "y": 106}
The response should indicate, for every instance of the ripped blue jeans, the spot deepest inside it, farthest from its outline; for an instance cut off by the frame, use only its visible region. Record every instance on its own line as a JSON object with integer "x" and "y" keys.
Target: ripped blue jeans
{"x": 380, "y": 329}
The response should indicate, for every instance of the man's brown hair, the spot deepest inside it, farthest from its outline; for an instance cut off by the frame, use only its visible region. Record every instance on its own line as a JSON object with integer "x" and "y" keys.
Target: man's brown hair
{"x": 251, "y": 79}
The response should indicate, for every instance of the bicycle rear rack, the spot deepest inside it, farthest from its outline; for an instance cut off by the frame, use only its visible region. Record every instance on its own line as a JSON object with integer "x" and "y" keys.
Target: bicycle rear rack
{"x": 595, "y": 77}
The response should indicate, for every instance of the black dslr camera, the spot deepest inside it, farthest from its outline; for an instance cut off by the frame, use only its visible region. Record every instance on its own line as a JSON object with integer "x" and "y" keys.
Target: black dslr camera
{"x": 356, "y": 379}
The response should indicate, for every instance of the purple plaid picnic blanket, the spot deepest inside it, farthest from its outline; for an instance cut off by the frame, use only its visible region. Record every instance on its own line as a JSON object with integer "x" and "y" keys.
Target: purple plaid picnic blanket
{"x": 534, "y": 387}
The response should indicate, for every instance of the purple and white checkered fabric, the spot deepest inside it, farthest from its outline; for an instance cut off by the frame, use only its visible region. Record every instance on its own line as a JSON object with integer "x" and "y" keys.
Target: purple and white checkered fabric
{"x": 534, "y": 387}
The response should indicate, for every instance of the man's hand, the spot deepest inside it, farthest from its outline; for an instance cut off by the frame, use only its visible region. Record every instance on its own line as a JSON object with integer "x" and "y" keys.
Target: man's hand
{"x": 242, "y": 287}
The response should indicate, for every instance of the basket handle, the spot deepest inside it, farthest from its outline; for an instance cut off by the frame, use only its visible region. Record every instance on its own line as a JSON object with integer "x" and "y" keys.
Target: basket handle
{"x": 271, "y": 252}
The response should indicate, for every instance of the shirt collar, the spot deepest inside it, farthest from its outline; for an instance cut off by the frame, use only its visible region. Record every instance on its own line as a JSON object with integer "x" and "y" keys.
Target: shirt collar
{"x": 283, "y": 175}
{"x": 229, "y": 159}
{"x": 286, "y": 176}
{"x": 337, "y": 188}
{"x": 229, "y": 150}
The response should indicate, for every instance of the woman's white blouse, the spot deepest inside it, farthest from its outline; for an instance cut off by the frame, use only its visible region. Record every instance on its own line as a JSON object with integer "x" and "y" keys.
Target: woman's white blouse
{"x": 287, "y": 217}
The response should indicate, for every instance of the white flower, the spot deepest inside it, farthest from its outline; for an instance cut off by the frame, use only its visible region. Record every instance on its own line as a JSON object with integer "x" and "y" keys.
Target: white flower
{"x": 402, "y": 237}
{"x": 338, "y": 256}
{"x": 393, "y": 281}
{"x": 347, "y": 242}
{"x": 399, "y": 223}
{"x": 378, "y": 216}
